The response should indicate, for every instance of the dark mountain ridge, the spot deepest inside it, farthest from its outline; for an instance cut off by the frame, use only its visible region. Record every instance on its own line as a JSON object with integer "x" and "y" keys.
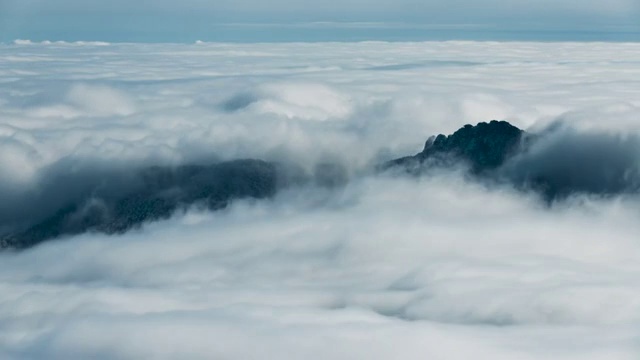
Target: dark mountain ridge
{"x": 150, "y": 194}
{"x": 484, "y": 147}
{"x": 556, "y": 163}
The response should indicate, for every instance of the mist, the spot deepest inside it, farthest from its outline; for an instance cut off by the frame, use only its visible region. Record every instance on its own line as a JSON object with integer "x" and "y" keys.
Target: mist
{"x": 330, "y": 258}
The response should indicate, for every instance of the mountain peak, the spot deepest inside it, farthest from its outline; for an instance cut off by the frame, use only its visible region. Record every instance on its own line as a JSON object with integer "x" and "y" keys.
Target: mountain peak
{"x": 484, "y": 146}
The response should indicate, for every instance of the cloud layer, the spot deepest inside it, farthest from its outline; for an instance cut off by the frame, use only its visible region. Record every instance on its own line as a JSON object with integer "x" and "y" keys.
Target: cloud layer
{"x": 386, "y": 267}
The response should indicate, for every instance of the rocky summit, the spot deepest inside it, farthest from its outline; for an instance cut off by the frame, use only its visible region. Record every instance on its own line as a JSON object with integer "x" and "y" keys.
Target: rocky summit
{"x": 556, "y": 163}
{"x": 484, "y": 147}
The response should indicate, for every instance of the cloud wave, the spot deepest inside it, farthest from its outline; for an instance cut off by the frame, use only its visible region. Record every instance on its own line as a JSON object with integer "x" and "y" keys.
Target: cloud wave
{"x": 383, "y": 267}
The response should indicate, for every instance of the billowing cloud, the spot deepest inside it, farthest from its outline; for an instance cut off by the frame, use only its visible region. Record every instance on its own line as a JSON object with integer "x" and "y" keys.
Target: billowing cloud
{"x": 387, "y": 266}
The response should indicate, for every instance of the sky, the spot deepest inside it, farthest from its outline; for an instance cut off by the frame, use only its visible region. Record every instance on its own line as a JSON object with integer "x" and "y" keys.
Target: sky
{"x": 387, "y": 266}
{"x": 289, "y": 20}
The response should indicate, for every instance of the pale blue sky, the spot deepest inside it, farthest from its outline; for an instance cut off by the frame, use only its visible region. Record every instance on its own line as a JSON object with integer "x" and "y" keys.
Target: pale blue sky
{"x": 245, "y": 20}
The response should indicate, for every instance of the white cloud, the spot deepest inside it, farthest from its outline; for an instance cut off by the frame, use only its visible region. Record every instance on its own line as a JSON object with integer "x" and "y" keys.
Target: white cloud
{"x": 101, "y": 101}
{"x": 48, "y": 42}
{"x": 387, "y": 256}
{"x": 303, "y": 101}
{"x": 387, "y": 267}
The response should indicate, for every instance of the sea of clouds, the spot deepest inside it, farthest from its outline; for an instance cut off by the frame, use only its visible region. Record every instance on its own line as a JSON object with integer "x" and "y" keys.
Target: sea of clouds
{"x": 385, "y": 267}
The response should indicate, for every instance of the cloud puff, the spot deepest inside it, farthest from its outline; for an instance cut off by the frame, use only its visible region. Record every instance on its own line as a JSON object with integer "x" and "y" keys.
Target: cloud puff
{"x": 385, "y": 267}
{"x": 563, "y": 161}
{"x": 293, "y": 100}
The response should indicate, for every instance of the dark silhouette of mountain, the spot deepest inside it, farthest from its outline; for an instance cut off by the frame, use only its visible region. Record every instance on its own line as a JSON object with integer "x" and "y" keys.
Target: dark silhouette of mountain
{"x": 484, "y": 147}
{"x": 151, "y": 194}
{"x": 556, "y": 163}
